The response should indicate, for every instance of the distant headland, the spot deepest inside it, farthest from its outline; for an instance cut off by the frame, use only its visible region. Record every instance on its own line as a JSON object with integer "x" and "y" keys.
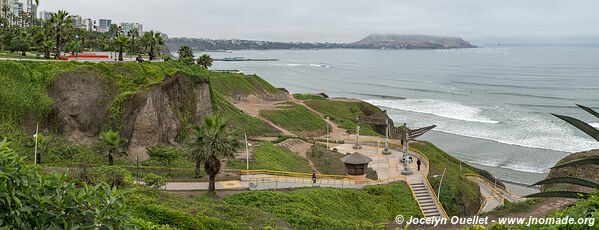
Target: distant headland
{"x": 372, "y": 41}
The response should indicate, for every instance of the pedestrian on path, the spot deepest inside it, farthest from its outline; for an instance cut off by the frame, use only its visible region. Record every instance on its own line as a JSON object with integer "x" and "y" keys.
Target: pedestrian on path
{"x": 418, "y": 163}
{"x": 314, "y": 178}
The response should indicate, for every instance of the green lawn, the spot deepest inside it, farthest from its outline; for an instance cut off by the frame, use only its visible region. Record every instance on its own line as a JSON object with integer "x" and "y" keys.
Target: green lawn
{"x": 272, "y": 157}
{"x": 343, "y": 113}
{"x": 297, "y": 119}
{"x": 333, "y": 208}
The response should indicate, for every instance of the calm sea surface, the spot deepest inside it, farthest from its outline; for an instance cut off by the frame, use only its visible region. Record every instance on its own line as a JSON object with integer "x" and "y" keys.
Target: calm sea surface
{"x": 492, "y": 105}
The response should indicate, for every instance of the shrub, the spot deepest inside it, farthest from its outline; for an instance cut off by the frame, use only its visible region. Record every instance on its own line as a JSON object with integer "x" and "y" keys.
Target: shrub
{"x": 165, "y": 216}
{"x": 166, "y": 156}
{"x": 371, "y": 174}
{"x": 154, "y": 181}
{"x": 114, "y": 176}
{"x": 30, "y": 199}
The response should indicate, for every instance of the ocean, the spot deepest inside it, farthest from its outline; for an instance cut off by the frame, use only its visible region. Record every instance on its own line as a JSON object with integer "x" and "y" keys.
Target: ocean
{"x": 492, "y": 105}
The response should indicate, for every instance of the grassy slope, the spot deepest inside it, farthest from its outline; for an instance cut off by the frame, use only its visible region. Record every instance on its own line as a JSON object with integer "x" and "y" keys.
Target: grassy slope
{"x": 272, "y": 157}
{"x": 330, "y": 208}
{"x": 297, "y": 119}
{"x": 458, "y": 195}
{"x": 326, "y": 162}
{"x": 340, "y": 112}
{"x": 24, "y": 85}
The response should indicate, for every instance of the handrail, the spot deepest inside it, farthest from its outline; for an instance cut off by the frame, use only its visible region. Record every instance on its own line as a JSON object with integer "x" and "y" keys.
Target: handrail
{"x": 510, "y": 194}
{"x": 429, "y": 183}
{"x": 292, "y": 174}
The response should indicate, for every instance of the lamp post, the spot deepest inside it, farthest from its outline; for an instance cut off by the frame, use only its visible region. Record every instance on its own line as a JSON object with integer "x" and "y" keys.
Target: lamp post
{"x": 328, "y": 135}
{"x": 35, "y": 151}
{"x": 247, "y": 154}
{"x": 77, "y": 47}
{"x": 406, "y": 168}
{"x": 386, "y": 150}
{"x": 440, "y": 182}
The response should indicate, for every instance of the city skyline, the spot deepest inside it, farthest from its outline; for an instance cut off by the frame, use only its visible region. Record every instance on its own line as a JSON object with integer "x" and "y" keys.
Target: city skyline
{"x": 340, "y": 21}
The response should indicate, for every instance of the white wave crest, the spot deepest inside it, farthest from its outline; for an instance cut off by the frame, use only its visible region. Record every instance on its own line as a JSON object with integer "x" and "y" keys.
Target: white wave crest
{"x": 439, "y": 108}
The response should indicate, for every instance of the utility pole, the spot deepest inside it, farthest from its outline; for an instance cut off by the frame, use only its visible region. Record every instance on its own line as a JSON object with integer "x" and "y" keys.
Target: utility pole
{"x": 440, "y": 183}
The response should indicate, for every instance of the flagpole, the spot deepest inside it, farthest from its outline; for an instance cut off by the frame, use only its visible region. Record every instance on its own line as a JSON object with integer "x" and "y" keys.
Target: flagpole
{"x": 35, "y": 151}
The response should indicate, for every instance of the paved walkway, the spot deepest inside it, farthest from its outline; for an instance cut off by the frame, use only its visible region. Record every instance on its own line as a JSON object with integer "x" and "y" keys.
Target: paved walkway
{"x": 194, "y": 186}
{"x": 494, "y": 196}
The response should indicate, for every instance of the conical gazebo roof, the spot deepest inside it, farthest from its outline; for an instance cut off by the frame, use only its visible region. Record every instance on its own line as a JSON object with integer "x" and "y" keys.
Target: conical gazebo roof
{"x": 356, "y": 159}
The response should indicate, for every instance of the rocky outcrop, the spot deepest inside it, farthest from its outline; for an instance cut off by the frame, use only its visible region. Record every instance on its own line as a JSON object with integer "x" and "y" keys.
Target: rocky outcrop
{"x": 81, "y": 102}
{"x": 159, "y": 115}
{"x": 396, "y": 41}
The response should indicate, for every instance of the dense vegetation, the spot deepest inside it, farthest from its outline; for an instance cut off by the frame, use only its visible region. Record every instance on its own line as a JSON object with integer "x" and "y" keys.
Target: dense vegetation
{"x": 57, "y": 36}
{"x": 297, "y": 119}
{"x": 343, "y": 113}
{"x": 458, "y": 195}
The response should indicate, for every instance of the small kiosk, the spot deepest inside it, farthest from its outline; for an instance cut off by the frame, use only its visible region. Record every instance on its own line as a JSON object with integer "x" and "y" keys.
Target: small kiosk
{"x": 356, "y": 164}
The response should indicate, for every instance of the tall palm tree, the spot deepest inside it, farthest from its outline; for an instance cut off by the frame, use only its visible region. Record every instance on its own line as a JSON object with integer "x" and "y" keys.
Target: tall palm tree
{"x": 205, "y": 61}
{"x": 153, "y": 41}
{"x": 59, "y": 21}
{"x": 133, "y": 33}
{"x": 186, "y": 54}
{"x": 111, "y": 145}
{"x": 120, "y": 42}
{"x": 211, "y": 142}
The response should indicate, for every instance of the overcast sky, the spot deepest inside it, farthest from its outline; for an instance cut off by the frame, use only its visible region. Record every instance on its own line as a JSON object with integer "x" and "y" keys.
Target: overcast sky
{"x": 345, "y": 20}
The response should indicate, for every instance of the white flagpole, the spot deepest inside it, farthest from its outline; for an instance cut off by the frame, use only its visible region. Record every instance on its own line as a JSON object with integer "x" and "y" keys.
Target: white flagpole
{"x": 35, "y": 151}
{"x": 247, "y": 154}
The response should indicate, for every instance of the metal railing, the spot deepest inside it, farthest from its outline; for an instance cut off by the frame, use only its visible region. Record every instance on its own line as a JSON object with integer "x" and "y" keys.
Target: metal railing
{"x": 425, "y": 176}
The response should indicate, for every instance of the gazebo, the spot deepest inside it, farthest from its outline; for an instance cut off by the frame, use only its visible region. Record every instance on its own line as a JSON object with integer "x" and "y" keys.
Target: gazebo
{"x": 356, "y": 164}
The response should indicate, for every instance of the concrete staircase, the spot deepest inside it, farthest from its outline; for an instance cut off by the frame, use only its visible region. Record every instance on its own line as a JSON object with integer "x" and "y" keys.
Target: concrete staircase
{"x": 427, "y": 202}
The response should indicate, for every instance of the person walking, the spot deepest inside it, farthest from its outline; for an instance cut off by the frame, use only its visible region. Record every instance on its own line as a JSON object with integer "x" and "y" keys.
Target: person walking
{"x": 314, "y": 178}
{"x": 418, "y": 163}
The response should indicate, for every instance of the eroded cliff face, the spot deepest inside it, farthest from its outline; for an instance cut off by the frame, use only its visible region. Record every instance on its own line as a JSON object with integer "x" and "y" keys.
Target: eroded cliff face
{"x": 157, "y": 115}
{"x": 81, "y": 102}
{"x": 160, "y": 114}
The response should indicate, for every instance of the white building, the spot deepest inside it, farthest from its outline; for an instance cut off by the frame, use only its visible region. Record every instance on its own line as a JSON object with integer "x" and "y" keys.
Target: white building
{"x": 45, "y": 15}
{"x": 88, "y": 24}
{"x": 126, "y": 27}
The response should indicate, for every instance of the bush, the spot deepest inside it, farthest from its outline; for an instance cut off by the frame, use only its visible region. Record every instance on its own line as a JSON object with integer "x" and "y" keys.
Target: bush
{"x": 165, "y": 216}
{"x": 30, "y": 199}
{"x": 114, "y": 176}
{"x": 166, "y": 156}
{"x": 371, "y": 174}
{"x": 153, "y": 180}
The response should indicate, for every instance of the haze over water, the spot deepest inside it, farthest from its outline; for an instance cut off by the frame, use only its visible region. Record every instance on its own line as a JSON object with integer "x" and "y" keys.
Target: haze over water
{"x": 492, "y": 105}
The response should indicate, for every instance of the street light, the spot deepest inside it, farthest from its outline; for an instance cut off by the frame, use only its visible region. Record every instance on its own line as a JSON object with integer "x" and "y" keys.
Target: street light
{"x": 440, "y": 182}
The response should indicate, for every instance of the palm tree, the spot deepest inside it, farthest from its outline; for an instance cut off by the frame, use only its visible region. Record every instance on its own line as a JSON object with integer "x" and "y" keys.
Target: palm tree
{"x": 111, "y": 145}
{"x": 47, "y": 47}
{"x": 153, "y": 41}
{"x": 59, "y": 21}
{"x": 205, "y": 61}
{"x": 120, "y": 42}
{"x": 186, "y": 54}
{"x": 211, "y": 142}
{"x": 594, "y": 160}
{"x": 133, "y": 33}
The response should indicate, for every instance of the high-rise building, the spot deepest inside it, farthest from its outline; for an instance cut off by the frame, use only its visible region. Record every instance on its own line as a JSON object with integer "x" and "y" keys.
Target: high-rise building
{"x": 126, "y": 27}
{"x": 88, "y": 24}
{"x": 104, "y": 25}
{"x": 45, "y": 15}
